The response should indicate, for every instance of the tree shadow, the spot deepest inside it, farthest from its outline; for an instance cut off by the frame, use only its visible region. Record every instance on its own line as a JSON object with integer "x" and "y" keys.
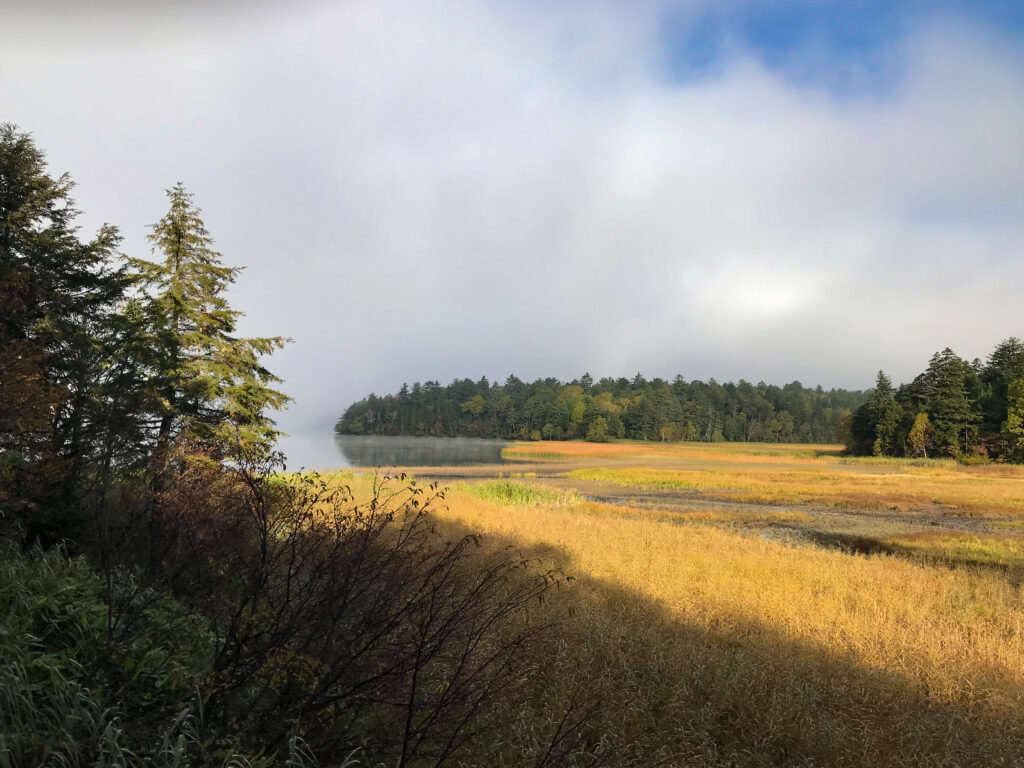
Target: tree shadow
{"x": 739, "y": 692}
{"x": 868, "y": 545}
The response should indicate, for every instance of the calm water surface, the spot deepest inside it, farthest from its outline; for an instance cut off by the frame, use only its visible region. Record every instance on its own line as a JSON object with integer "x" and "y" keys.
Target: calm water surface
{"x": 339, "y": 451}
{"x": 374, "y": 451}
{"x": 326, "y": 452}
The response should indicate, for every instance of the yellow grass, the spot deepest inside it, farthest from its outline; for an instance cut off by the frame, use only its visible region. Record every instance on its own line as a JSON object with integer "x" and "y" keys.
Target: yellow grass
{"x": 730, "y": 649}
{"x": 722, "y": 646}
{"x": 960, "y": 492}
{"x": 752, "y": 452}
{"x": 1002, "y": 551}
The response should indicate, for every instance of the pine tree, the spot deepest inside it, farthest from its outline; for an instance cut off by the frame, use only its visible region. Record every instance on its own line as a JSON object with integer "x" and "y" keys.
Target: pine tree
{"x": 58, "y": 333}
{"x": 949, "y": 408}
{"x": 211, "y": 385}
{"x": 887, "y": 429}
{"x": 1000, "y": 370}
{"x": 875, "y": 425}
{"x": 1011, "y": 432}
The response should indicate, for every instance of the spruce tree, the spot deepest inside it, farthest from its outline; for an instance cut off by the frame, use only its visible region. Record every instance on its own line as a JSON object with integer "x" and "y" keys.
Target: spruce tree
{"x": 1000, "y": 370}
{"x": 211, "y": 386}
{"x": 1011, "y": 431}
{"x": 950, "y": 410}
{"x": 887, "y": 429}
{"x": 59, "y": 298}
{"x": 875, "y": 425}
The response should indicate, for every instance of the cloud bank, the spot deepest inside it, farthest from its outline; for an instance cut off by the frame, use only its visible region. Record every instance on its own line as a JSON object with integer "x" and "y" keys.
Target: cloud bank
{"x": 425, "y": 191}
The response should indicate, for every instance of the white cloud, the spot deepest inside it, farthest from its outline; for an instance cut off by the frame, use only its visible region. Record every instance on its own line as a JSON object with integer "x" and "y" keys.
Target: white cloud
{"x": 455, "y": 189}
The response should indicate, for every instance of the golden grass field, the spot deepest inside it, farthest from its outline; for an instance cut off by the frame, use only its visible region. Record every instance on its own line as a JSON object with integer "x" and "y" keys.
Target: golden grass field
{"x": 732, "y": 625}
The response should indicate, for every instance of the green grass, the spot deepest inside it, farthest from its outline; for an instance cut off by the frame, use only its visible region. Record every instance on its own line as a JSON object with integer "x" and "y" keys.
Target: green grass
{"x": 508, "y": 492}
{"x": 73, "y": 694}
{"x": 898, "y": 462}
{"x": 509, "y": 455}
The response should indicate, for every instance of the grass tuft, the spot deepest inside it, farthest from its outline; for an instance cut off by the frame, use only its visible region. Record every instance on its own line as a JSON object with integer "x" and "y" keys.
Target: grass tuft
{"x": 509, "y": 492}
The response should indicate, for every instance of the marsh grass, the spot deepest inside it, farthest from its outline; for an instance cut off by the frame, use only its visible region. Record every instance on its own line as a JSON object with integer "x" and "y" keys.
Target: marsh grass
{"x": 751, "y": 452}
{"x": 525, "y": 453}
{"x": 1004, "y": 552}
{"x": 510, "y": 492}
{"x": 713, "y": 648}
{"x": 709, "y": 646}
{"x": 956, "y": 492}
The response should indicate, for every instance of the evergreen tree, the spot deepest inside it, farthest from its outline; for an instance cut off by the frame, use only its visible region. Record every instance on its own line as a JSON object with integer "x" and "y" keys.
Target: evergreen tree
{"x": 58, "y": 333}
{"x": 1012, "y": 428}
{"x": 887, "y": 430}
{"x": 949, "y": 409}
{"x": 211, "y": 384}
{"x": 875, "y": 425}
{"x": 997, "y": 374}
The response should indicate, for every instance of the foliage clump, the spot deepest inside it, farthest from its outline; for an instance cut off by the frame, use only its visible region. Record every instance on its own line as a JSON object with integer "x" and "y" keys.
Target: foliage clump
{"x": 637, "y": 408}
{"x": 968, "y": 411}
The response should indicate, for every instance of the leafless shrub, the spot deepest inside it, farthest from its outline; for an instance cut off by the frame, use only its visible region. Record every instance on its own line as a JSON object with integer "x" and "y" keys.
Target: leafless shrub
{"x": 356, "y": 625}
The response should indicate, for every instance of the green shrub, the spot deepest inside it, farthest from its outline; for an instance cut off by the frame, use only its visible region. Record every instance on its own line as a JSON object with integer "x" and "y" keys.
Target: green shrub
{"x": 85, "y": 681}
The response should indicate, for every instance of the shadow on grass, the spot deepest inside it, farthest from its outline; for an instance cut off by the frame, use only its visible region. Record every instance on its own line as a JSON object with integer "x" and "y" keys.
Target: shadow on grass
{"x": 867, "y": 545}
{"x": 741, "y": 693}
{"x": 822, "y": 452}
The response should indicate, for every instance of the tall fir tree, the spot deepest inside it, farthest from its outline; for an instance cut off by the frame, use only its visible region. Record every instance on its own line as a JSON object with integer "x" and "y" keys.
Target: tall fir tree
{"x": 1011, "y": 431}
{"x": 60, "y": 298}
{"x": 951, "y": 412}
{"x": 999, "y": 371}
{"x": 211, "y": 385}
{"x": 875, "y": 424}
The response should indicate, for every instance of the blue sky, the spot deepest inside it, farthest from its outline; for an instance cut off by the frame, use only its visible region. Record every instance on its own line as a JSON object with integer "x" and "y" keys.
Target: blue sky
{"x": 851, "y": 49}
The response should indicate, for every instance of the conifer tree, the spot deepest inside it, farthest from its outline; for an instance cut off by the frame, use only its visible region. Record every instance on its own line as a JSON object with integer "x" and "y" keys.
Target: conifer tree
{"x": 1000, "y": 370}
{"x": 887, "y": 429}
{"x": 1011, "y": 431}
{"x": 59, "y": 297}
{"x": 211, "y": 385}
{"x": 949, "y": 408}
{"x": 876, "y": 423}
{"x": 1013, "y": 428}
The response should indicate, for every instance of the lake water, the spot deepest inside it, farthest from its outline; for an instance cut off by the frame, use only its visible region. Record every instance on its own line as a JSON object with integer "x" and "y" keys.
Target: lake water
{"x": 374, "y": 451}
{"x": 338, "y": 451}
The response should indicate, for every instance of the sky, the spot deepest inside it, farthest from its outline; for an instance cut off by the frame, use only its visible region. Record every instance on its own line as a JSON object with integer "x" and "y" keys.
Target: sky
{"x": 456, "y": 188}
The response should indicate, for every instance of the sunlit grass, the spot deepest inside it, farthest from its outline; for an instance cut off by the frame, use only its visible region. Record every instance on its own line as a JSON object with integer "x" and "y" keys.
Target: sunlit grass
{"x": 734, "y": 650}
{"x": 714, "y": 647}
{"x": 961, "y": 548}
{"x": 753, "y": 452}
{"x": 972, "y": 494}
{"x": 515, "y": 493}
{"x": 738, "y": 516}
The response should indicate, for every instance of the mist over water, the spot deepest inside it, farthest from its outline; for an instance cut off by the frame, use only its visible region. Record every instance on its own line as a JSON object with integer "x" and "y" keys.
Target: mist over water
{"x": 378, "y": 450}
{"x": 312, "y": 451}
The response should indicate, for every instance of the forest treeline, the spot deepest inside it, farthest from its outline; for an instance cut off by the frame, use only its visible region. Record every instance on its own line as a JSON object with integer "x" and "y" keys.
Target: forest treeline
{"x": 969, "y": 410}
{"x": 585, "y": 409}
{"x": 169, "y": 598}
